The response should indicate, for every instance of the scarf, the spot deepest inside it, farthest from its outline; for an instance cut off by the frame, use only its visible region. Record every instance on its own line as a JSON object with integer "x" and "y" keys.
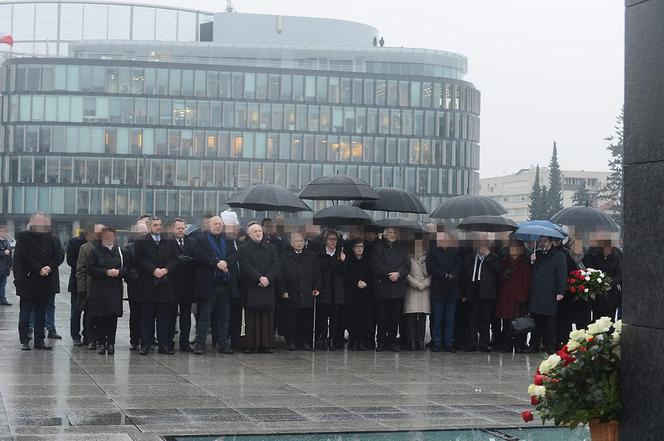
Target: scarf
{"x": 220, "y": 250}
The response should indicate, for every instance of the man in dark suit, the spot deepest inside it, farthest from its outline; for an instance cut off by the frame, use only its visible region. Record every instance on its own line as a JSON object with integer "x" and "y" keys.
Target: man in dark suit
{"x": 216, "y": 284}
{"x": 73, "y": 248}
{"x": 5, "y": 264}
{"x": 38, "y": 256}
{"x": 156, "y": 261}
{"x": 184, "y": 280}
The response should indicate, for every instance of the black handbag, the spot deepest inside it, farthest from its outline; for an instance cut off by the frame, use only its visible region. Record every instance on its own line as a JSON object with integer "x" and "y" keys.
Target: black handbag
{"x": 523, "y": 325}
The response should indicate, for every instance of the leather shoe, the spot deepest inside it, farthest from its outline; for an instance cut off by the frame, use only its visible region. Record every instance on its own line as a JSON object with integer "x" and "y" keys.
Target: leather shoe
{"x": 165, "y": 350}
{"x": 78, "y": 342}
{"x": 144, "y": 350}
{"x": 92, "y": 346}
{"x": 395, "y": 348}
{"x": 42, "y": 346}
{"x": 111, "y": 349}
{"x": 450, "y": 349}
{"x": 186, "y": 348}
{"x": 379, "y": 348}
{"x": 306, "y": 347}
{"x": 412, "y": 347}
{"x": 25, "y": 347}
{"x": 54, "y": 335}
{"x": 5, "y": 303}
{"x": 291, "y": 346}
{"x": 102, "y": 350}
{"x": 199, "y": 349}
{"x": 435, "y": 348}
{"x": 485, "y": 349}
{"x": 265, "y": 351}
{"x": 133, "y": 346}
{"x": 225, "y": 350}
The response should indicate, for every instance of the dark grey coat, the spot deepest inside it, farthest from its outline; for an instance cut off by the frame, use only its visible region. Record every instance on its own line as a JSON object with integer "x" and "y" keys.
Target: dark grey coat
{"x": 385, "y": 259}
{"x": 549, "y": 278}
{"x": 258, "y": 260}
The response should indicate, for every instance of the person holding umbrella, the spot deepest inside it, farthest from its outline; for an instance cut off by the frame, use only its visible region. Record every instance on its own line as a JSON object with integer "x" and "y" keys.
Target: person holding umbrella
{"x": 298, "y": 286}
{"x": 547, "y": 289}
{"x": 391, "y": 265}
{"x": 332, "y": 296}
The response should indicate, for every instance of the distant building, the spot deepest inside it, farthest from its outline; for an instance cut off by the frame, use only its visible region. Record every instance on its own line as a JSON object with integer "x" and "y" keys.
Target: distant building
{"x": 513, "y": 191}
{"x": 110, "y": 110}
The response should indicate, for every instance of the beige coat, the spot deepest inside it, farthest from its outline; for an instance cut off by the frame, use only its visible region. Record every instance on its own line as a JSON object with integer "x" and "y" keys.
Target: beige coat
{"x": 419, "y": 282}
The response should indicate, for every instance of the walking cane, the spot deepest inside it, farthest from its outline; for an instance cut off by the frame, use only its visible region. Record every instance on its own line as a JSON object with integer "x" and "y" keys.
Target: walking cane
{"x": 313, "y": 332}
{"x": 243, "y": 325}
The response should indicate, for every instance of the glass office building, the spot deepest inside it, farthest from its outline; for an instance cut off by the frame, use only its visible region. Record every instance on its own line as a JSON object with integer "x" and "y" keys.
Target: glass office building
{"x": 156, "y": 124}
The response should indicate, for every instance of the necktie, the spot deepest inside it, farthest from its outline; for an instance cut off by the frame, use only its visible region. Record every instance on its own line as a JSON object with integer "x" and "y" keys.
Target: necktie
{"x": 181, "y": 243}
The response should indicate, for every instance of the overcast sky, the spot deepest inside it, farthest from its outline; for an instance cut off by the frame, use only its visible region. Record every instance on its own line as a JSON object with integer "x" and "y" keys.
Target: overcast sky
{"x": 547, "y": 70}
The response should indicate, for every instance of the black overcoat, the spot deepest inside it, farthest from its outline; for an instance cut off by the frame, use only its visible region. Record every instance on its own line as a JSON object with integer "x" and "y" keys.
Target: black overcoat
{"x": 300, "y": 276}
{"x": 206, "y": 271}
{"x": 33, "y": 252}
{"x": 488, "y": 278}
{"x": 105, "y": 292}
{"x": 441, "y": 262}
{"x": 258, "y": 260}
{"x": 332, "y": 271}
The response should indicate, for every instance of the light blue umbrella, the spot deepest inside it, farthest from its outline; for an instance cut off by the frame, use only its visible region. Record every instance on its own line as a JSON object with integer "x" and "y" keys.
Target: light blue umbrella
{"x": 541, "y": 223}
{"x": 534, "y": 232}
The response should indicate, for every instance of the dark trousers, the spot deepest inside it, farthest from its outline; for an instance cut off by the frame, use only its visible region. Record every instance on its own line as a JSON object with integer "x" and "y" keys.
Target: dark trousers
{"x": 461, "y": 327}
{"x": 38, "y": 308}
{"x": 443, "y": 311}
{"x": 185, "y": 323}
{"x": 416, "y": 326}
{"x": 327, "y": 320}
{"x": 297, "y": 325}
{"x": 135, "y": 324}
{"x": 76, "y": 315}
{"x": 569, "y": 313}
{"x": 216, "y": 307}
{"x": 480, "y": 313}
{"x": 545, "y": 332}
{"x": 388, "y": 314}
{"x": 509, "y": 339}
{"x": 106, "y": 329}
{"x": 165, "y": 316}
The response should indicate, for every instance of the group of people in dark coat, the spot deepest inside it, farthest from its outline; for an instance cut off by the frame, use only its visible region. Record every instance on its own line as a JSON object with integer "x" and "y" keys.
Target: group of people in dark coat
{"x": 313, "y": 288}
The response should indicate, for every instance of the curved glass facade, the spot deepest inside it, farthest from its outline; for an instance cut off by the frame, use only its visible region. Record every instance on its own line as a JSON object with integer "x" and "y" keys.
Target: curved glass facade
{"x": 149, "y": 131}
{"x": 48, "y": 27}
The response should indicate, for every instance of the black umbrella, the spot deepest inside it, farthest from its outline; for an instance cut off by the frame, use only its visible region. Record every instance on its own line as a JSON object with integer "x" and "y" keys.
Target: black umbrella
{"x": 192, "y": 229}
{"x": 338, "y": 188}
{"x": 267, "y": 197}
{"x": 585, "y": 218}
{"x": 341, "y": 215}
{"x": 460, "y": 207}
{"x": 401, "y": 223}
{"x": 491, "y": 224}
{"x": 393, "y": 199}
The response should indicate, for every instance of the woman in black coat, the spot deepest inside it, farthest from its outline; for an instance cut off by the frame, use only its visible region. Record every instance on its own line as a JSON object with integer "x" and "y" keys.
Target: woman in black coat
{"x": 105, "y": 290}
{"x": 299, "y": 284}
{"x": 332, "y": 297}
{"x": 359, "y": 296}
{"x": 259, "y": 269}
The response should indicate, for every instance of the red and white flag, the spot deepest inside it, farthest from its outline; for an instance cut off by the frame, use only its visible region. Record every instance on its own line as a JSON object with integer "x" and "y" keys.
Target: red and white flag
{"x": 6, "y": 38}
